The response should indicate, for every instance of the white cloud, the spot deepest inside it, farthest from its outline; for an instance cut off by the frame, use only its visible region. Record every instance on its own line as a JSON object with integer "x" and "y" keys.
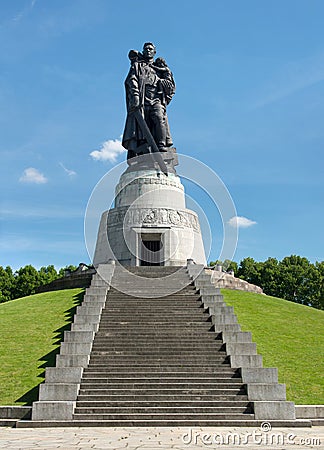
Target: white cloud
{"x": 241, "y": 222}
{"x": 109, "y": 151}
{"x": 32, "y": 175}
{"x": 71, "y": 173}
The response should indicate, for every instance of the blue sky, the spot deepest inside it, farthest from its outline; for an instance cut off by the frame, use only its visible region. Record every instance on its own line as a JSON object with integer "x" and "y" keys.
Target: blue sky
{"x": 249, "y": 104}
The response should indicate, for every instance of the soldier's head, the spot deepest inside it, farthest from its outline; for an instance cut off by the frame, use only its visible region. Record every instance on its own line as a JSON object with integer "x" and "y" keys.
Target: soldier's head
{"x": 149, "y": 50}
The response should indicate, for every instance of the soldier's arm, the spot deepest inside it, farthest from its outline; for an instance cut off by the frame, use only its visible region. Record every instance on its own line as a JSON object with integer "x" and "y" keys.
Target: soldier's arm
{"x": 133, "y": 87}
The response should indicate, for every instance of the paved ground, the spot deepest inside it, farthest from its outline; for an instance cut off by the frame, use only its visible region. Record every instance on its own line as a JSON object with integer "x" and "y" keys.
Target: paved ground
{"x": 161, "y": 438}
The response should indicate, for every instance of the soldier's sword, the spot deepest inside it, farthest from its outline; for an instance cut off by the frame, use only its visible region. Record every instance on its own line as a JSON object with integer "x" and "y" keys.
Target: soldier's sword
{"x": 155, "y": 153}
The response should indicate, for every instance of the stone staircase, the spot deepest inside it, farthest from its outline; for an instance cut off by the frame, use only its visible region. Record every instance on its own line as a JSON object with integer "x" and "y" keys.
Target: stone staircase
{"x": 158, "y": 362}
{"x": 176, "y": 359}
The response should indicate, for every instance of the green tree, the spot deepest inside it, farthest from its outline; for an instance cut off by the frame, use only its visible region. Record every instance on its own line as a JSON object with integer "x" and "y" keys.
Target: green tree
{"x": 250, "y": 271}
{"x": 27, "y": 280}
{"x": 47, "y": 274}
{"x": 299, "y": 280}
{"x": 269, "y": 271}
{"x": 61, "y": 272}
{"x": 320, "y": 297}
{"x": 214, "y": 263}
{"x": 230, "y": 265}
{"x": 7, "y": 284}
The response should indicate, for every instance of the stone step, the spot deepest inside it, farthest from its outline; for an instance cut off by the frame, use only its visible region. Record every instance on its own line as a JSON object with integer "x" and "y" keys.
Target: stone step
{"x": 173, "y": 392}
{"x": 160, "y": 347}
{"x": 158, "y": 340}
{"x": 165, "y": 309}
{"x": 165, "y": 288}
{"x": 8, "y": 422}
{"x": 150, "y": 270}
{"x": 164, "y": 410}
{"x": 150, "y": 274}
{"x": 159, "y": 381}
{"x": 125, "y": 281}
{"x": 159, "y": 378}
{"x": 149, "y": 371}
{"x": 123, "y": 330}
{"x": 166, "y": 296}
{"x": 117, "y": 342}
{"x": 158, "y": 354}
{"x": 188, "y": 294}
{"x": 161, "y": 423}
{"x": 141, "y": 273}
{"x": 114, "y": 363}
{"x": 146, "y": 277}
{"x": 161, "y": 333}
{"x": 155, "y": 359}
{"x": 155, "y": 367}
{"x": 148, "y": 404}
{"x": 171, "y": 300}
{"x": 153, "y": 315}
{"x": 126, "y": 331}
{"x": 94, "y": 304}
{"x": 149, "y": 368}
{"x": 149, "y": 334}
{"x": 89, "y": 385}
{"x": 152, "y": 318}
{"x": 165, "y": 338}
{"x": 151, "y": 309}
{"x": 156, "y": 324}
{"x": 158, "y": 350}
{"x": 166, "y": 302}
{"x": 161, "y": 416}
{"x": 162, "y": 290}
{"x": 176, "y": 304}
{"x": 160, "y": 329}
{"x": 152, "y": 294}
{"x": 174, "y": 397}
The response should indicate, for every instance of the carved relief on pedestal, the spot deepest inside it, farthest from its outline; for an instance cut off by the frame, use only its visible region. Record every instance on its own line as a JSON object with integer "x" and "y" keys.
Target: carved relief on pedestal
{"x": 152, "y": 216}
{"x": 149, "y": 180}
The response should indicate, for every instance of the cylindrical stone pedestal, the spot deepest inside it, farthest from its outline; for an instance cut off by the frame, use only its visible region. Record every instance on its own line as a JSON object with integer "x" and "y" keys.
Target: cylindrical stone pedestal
{"x": 150, "y": 224}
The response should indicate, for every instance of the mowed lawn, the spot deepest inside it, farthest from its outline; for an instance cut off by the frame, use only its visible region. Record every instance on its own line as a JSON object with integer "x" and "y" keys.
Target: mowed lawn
{"x": 288, "y": 336}
{"x": 31, "y": 330}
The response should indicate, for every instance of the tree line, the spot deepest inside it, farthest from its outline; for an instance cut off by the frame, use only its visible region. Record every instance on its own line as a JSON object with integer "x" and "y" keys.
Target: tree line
{"x": 26, "y": 280}
{"x": 294, "y": 278}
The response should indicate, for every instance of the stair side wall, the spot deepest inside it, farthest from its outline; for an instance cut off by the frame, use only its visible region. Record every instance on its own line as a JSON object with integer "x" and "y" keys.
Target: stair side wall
{"x": 57, "y": 396}
{"x": 263, "y": 389}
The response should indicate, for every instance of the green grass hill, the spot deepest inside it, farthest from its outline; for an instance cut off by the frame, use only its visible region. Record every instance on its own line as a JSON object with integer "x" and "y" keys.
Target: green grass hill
{"x": 31, "y": 330}
{"x": 289, "y": 336}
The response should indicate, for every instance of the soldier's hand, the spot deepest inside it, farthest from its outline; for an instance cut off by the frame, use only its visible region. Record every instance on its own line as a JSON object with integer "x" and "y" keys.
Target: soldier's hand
{"x": 134, "y": 102}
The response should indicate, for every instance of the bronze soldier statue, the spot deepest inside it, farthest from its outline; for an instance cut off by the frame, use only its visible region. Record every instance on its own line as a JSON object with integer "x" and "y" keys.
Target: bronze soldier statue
{"x": 149, "y": 89}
